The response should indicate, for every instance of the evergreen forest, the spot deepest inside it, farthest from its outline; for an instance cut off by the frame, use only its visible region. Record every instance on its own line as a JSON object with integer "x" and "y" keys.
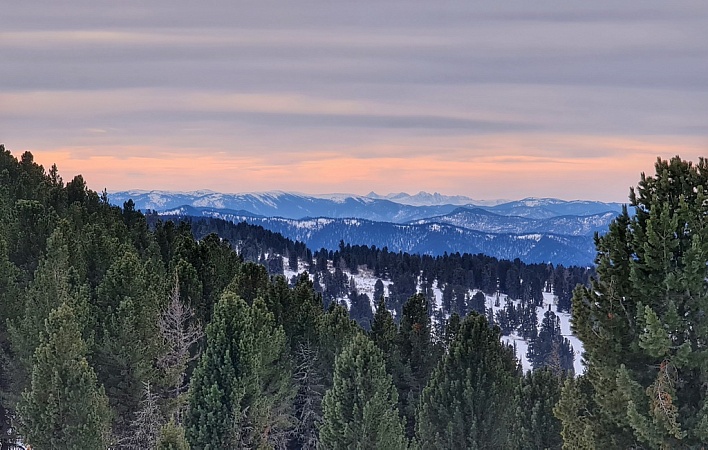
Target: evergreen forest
{"x": 124, "y": 330}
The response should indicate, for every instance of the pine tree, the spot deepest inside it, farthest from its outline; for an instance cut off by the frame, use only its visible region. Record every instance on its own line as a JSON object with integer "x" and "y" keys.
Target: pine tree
{"x": 579, "y": 416}
{"x": 302, "y": 316}
{"x": 241, "y": 391}
{"x": 383, "y": 329}
{"x": 172, "y": 438}
{"x": 64, "y": 407}
{"x": 360, "y": 409}
{"x": 538, "y": 428}
{"x": 643, "y": 322}
{"x": 55, "y": 282}
{"x": 550, "y": 348}
{"x": 418, "y": 355}
{"x": 469, "y": 400}
{"x": 127, "y": 337}
{"x": 250, "y": 282}
{"x": 10, "y": 308}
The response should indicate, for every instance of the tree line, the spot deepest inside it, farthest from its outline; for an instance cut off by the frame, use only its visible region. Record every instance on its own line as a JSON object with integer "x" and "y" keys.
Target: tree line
{"x": 116, "y": 334}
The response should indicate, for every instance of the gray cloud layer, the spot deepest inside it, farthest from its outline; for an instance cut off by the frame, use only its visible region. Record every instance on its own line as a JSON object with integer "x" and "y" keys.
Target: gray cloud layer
{"x": 392, "y": 69}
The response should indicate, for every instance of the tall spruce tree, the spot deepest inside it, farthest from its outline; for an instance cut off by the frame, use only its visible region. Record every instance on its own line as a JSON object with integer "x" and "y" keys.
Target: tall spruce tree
{"x": 384, "y": 333}
{"x": 127, "y": 338}
{"x": 550, "y": 348}
{"x": 241, "y": 391}
{"x": 538, "y": 393}
{"x": 384, "y": 330}
{"x": 469, "y": 400}
{"x": 418, "y": 356}
{"x": 64, "y": 407}
{"x": 10, "y": 308}
{"x": 643, "y": 322}
{"x": 55, "y": 282}
{"x": 360, "y": 409}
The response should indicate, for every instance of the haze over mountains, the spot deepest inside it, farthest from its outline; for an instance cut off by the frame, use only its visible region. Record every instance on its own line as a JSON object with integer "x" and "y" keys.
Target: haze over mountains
{"x": 532, "y": 229}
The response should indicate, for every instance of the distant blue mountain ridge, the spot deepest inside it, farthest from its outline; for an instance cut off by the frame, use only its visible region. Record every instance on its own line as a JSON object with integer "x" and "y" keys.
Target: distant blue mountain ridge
{"x": 533, "y": 230}
{"x": 298, "y": 206}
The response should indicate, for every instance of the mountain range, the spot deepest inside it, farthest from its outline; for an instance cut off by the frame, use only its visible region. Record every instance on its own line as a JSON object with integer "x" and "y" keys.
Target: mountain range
{"x": 397, "y": 208}
{"x": 532, "y": 229}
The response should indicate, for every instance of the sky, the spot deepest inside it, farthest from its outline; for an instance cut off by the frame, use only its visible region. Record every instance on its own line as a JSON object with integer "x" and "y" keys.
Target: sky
{"x": 491, "y": 100}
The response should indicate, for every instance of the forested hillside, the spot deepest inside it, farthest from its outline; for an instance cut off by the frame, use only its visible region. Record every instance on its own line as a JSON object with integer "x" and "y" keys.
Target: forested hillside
{"x": 123, "y": 331}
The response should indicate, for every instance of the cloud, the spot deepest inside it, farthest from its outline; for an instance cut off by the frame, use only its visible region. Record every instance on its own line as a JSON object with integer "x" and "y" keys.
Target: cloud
{"x": 274, "y": 86}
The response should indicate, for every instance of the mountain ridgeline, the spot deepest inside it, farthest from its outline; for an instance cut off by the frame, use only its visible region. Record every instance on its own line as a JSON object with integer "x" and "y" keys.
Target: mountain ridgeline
{"x": 533, "y": 230}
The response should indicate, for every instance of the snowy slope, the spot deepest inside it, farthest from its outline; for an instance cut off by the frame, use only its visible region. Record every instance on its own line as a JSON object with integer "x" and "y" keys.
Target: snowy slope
{"x": 398, "y": 208}
{"x": 365, "y": 282}
{"x": 433, "y": 239}
{"x": 283, "y": 204}
{"x": 427, "y": 199}
{"x": 482, "y": 220}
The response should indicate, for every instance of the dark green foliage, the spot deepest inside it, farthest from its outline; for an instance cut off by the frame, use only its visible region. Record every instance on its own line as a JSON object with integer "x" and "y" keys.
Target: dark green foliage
{"x": 31, "y": 227}
{"x": 126, "y": 342}
{"x": 383, "y": 329}
{"x": 64, "y": 407}
{"x": 418, "y": 356}
{"x": 360, "y": 409}
{"x": 302, "y": 313}
{"x": 550, "y": 349}
{"x": 55, "y": 282}
{"x": 378, "y": 289}
{"x": 250, "y": 282}
{"x": 335, "y": 330}
{"x": 643, "y": 322}
{"x": 581, "y": 418}
{"x": 240, "y": 395}
{"x": 538, "y": 428}
{"x": 452, "y": 329}
{"x": 172, "y": 438}
{"x": 384, "y": 333}
{"x": 360, "y": 309}
{"x": 469, "y": 400}
{"x": 478, "y": 303}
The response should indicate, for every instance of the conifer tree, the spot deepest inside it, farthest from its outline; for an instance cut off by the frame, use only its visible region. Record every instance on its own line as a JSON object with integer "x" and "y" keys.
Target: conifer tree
{"x": 64, "y": 407}
{"x": 172, "y": 438}
{"x": 55, "y": 282}
{"x": 301, "y": 318}
{"x": 538, "y": 393}
{"x": 579, "y": 416}
{"x": 469, "y": 400}
{"x": 250, "y": 282}
{"x": 550, "y": 348}
{"x": 10, "y": 308}
{"x": 418, "y": 356}
{"x": 643, "y": 322}
{"x": 360, "y": 409}
{"x": 241, "y": 391}
{"x": 335, "y": 330}
{"x": 384, "y": 333}
{"x": 128, "y": 339}
{"x": 383, "y": 329}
